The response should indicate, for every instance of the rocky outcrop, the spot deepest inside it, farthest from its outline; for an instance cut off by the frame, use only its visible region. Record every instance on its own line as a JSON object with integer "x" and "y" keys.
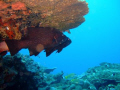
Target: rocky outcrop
{"x": 17, "y": 15}
{"x": 20, "y": 72}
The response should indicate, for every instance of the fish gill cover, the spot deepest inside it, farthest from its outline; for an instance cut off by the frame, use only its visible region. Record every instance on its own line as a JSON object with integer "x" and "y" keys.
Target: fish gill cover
{"x": 20, "y": 18}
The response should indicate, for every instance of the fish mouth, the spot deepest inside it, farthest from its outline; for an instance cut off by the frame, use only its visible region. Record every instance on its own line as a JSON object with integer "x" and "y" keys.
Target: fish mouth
{"x": 63, "y": 45}
{"x": 58, "y": 48}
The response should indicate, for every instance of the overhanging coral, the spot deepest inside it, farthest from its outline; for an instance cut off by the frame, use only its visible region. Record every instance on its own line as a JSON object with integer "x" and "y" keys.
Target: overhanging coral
{"x": 59, "y": 14}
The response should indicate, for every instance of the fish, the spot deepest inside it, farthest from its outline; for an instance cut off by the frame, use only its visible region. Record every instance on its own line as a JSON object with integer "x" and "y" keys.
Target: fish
{"x": 3, "y": 48}
{"x": 39, "y": 39}
{"x": 3, "y": 53}
{"x": 58, "y": 48}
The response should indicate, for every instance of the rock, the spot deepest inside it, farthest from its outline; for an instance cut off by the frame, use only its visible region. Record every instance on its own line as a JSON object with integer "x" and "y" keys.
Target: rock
{"x": 72, "y": 86}
{"x": 48, "y": 70}
{"x": 79, "y": 87}
{"x": 103, "y": 75}
{"x": 17, "y": 15}
{"x": 53, "y": 88}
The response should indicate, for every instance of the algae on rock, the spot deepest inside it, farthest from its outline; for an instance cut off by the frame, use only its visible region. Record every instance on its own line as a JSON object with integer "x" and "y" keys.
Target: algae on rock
{"x": 59, "y": 14}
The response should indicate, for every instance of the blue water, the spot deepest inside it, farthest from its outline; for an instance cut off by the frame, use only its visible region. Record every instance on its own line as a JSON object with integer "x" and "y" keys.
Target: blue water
{"x": 96, "y": 40}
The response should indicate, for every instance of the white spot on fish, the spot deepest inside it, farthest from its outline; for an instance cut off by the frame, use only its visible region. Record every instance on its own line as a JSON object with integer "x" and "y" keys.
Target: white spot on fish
{"x": 7, "y": 28}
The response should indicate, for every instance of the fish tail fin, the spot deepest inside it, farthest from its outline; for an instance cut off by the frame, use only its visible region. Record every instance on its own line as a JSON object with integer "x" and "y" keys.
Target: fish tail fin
{"x": 14, "y": 46}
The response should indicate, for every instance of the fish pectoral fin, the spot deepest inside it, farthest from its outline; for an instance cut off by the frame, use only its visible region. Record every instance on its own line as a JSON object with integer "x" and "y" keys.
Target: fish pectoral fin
{"x": 39, "y": 47}
{"x": 36, "y": 49}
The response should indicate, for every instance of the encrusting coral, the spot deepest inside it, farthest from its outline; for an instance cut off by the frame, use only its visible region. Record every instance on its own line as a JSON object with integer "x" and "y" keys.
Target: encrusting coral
{"x": 20, "y": 72}
{"x": 17, "y": 15}
{"x": 59, "y": 14}
{"x": 11, "y": 15}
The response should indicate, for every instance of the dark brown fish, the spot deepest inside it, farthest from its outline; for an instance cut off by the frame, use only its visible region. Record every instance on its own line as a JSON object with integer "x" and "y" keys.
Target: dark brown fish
{"x": 38, "y": 39}
{"x": 58, "y": 48}
{"x": 3, "y": 48}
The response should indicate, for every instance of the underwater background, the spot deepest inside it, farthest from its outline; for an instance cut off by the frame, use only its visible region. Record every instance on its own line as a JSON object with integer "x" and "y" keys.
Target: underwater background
{"x": 97, "y": 40}
{"x": 90, "y": 62}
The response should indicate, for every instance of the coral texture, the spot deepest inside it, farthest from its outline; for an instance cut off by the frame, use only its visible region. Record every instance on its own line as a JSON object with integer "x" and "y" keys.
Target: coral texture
{"x": 11, "y": 17}
{"x": 17, "y": 15}
{"x": 20, "y": 72}
{"x": 59, "y": 14}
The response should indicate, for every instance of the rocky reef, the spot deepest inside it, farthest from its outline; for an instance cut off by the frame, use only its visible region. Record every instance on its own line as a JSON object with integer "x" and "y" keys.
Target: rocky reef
{"x": 103, "y": 77}
{"x": 20, "y": 72}
{"x": 21, "y": 18}
{"x": 17, "y": 15}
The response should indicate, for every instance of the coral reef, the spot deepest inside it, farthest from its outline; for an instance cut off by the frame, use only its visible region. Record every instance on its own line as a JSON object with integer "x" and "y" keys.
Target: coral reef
{"x": 14, "y": 74}
{"x": 11, "y": 17}
{"x": 20, "y": 72}
{"x": 59, "y": 14}
{"x": 17, "y": 15}
{"x": 48, "y": 70}
{"x": 103, "y": 77}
